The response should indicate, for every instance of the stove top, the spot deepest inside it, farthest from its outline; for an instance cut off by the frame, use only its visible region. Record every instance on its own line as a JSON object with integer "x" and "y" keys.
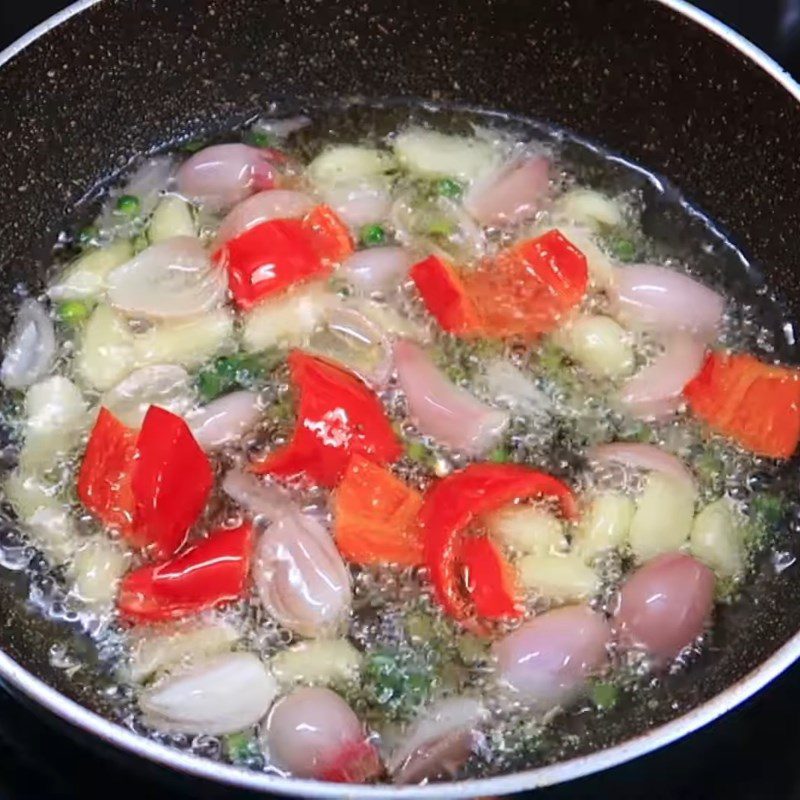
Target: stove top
{"x": 750, "y": 754}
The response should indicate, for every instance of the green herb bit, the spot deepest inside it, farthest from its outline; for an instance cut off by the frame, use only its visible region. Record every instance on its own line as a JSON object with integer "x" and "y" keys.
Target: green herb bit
{"x": 417, "y": 451}
{"x": 230, "y": 372}
{"x": 260, "y": 139}
{"x": 396, "y": 682}
{"x": 129, "y": 204}
{"x": 241, "y": 748}
{"x": 471, "y": 648}
{"x": 193, "y": 145}
{"x": 440, "y": 227}
{"x": 140, "y": 242}
{"x": 605, "y": 695}
{"x": 500, "y": 455}
{"x": 88, "y": 235}
{"x": 372, "y": 235}
{"x": 449, "y": 187}
{"x": 622, "y": 249}
{"x": 73, "y": 312}
{"x": 768, "y": 509}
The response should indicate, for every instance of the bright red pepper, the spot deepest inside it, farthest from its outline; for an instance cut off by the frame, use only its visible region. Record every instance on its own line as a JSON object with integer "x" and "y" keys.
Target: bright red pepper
{"x": 457, "y": 500}
{"x": 523, "y": 291}
{"x": 280, "y": 253}
{"x": 151, "y": 486}
{"x": 104, "y": 478}
{"x": 338, "y": 416}
{"x": 489, "y": 579}
{"x": 358, "y": 762}
{"x": 211, "y": 572}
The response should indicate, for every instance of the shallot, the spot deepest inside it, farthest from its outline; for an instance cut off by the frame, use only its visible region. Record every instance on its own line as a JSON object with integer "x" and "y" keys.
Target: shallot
{"x": 261, "y": 499}
{"x": 261, "y": 207}
{"x": 361, "y": 203}
{"x": 641, "y": 456}
{"x": 225, "y": 419}
{"x": 443, "y": 410}
{"x": 31, "y": 349}
{"x": 377, "y": 269}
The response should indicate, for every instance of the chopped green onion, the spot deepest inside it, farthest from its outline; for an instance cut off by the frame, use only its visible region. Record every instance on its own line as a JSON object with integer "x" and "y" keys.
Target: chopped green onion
{"x": 449, "y": 187}
{"x": 140, "y": 242}
{"x": 499, "y": 455}
{"x": 372, "y": 235}
{"x": 88, "y": 235}
{"x": 260, "y": 139}
{"x": 230, "y": 372}
{"x": 193, "y": 145}
{"x": 417, "y": 451}
{"x": 440, "y": 227}
{"x": 73, "y": 312}
{"x": 623, "y": 249}
{"x": 605, "y": 695}
{"x": 129, "y": 204}
{"x": 241, "y": 748}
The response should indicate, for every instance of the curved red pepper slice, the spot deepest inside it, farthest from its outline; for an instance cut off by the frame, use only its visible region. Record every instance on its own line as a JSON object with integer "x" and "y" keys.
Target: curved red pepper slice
{"x": 338, "y": 416}
{"x": 211, "y": 572}
{"x": 357, "y": 762}
{"x": 457, "y": 500}
{"x": 489, "y": 579}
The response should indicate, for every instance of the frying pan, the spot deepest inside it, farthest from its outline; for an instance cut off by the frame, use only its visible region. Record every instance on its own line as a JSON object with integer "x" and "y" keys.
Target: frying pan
{"x": 661, "y": 82}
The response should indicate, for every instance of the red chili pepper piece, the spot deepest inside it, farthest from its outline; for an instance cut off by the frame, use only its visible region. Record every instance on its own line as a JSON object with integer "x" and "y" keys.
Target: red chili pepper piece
{"x": 754, "y": 403}
{"x": 280, "y": 253}
{"x": 338, "y": 416}
{"x": 457, "y": 500}
{"x": 489, "y": 579}
{"x": 211, "y": 572}
{"x": 171, "y": 479}
{"x": 104, "y": 478}
{"x": 358, "y": 762}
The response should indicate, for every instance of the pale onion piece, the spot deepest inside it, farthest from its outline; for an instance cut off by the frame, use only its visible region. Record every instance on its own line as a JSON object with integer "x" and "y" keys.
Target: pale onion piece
{"x": 159, "y": 651}
{"x": 31, "y": 348}
{"x": 301, "y": 578}
{"x": 261, "y": 499}
{"x": 605, "y": 524}
{"x": 717, "y": 541}
{"x": 599, "y": 344}
{"x": 281, "y": 128}
{"x": 85, "y": 278}
{"x": 225, "y": 174}
{"x": 308, "y": 729}
{"x": 105, "y": 353}
{"x": 439, "y": 741}
{"x": 27, "y": 493}
{"x": 165, "y": 385}
{"x": 349, "y": 164}
{"x": 661, "y": 299}
{"x": 53, "y": 531}
{"x": 224, "y": 694}
{"x": 320, "y": 661}
{"x": 55, "y": 416}
{"x": 512, "y": 194}
{"x": 528, "y": 529}
{"x": 172, "y": 279}
{"x": 172, "y": 217}
{"x": 601, "y": 270}
{"x": 664, "y": 605}
{"x": 286, "y": 320}
{"x": 432, "y": 154}
{"x": 189, "y": 343}
{"x": 96, "y": 570}
{"x": 562, "y": 578}
{"x": 376, "y": 269}
{"x": 225, "y": 419}
{"x": 548, "y": 660}
{"x": 349, "y": 337}
{"x": 361, "y": 203}
{"x": 663, "y": 517}
{"x": 262, "y": 207}
{"x": 440, "y": 409}
{"x": 657, "y": 390}
{"x": 388, "y": 319}
{"x": 589, "y": 207}
{"x": 641, "y": 456}
{"x": 511, "y": 387}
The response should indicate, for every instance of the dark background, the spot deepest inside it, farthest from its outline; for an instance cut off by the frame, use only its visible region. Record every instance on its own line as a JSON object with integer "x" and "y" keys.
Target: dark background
{"x": 751, "y": 754}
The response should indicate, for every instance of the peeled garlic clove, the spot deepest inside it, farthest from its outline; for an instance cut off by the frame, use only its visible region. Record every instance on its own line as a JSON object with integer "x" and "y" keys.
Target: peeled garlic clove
{"x": 225, "y": 420}
{"x": 301, "y": 578}
{"x": 172, "y": 279}
{"x": 716, "y": 540}
{"x": 528, "y": 529}
{"x": 165, "y": 385}
{"x": 349, "y": 164}
{"x": 172, "y": 217}
{"x": 439, "y": 742}
{"x": 588, "y": 207}
{"x": 360, "y": 203}
{"x": 85, "y": 278}
{"x": 31, "y": 349}
{"x": 605, "y": 524}
{"x": 106, "y": 353}
{"x": 224, "y": 694}
{"x": 559, "y": 577}
{"x": 97, "y": 568}
{"x": 433, "y": 154}
{"x": 321, "y": 661}
{"x": 307, "y": 731}
{"x": 599, "y": 344}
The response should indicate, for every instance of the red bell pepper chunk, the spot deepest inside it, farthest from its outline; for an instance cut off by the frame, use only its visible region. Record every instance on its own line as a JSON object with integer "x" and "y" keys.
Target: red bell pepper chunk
{"x": 446, "y": 297}
{"x": 451, "y": 506}
{"x": 279, "y": 253}
{"x": 211, "y": 572}
{"x": 489, "y": 579}
{"x": 358, "y": 762}
{"x": 754, "y": 403}
{"x": 104, "y": 478}
{"x": 338, "y": 416}
{"x": 171, "y": 479}
{"x": 524, "y": 291}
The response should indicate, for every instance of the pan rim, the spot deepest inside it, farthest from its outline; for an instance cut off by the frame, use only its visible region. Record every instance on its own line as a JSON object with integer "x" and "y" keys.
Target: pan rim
{"x": 81, "y": 717}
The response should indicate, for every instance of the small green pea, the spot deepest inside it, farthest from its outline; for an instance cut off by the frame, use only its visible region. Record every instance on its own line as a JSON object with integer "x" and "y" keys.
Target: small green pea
{"x": 260, "y": 139}
{"x": 129, "y": 204}
{"x": 193, "y": 145}
{"x": 449, "y": 187}
{"x": 88, "y": 235}
{"x": 73, "y": 312}
{"x": 605, "y": 695}
{"x": 372, "y": 235}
